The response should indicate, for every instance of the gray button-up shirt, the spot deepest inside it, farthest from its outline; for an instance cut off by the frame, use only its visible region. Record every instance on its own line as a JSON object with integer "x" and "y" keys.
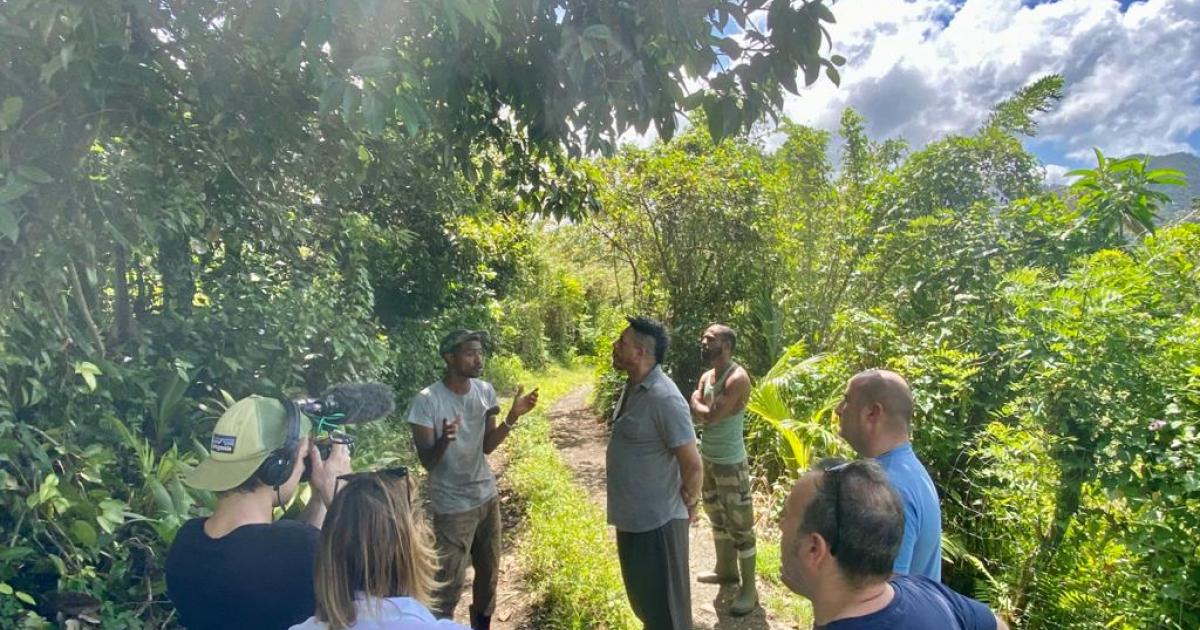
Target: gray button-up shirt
{"x": 652, "y": 418}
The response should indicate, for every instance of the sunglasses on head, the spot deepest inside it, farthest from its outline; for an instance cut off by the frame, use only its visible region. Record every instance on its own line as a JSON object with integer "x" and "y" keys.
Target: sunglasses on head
{"x": 399, "y": 472}
{"x": 834, "y": 477}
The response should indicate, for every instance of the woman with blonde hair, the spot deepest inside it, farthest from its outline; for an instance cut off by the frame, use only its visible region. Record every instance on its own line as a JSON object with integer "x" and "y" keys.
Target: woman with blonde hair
{"x": 375, "y": 563}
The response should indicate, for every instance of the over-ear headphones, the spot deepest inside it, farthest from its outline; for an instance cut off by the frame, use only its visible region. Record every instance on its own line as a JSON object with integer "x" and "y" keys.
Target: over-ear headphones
{"x": 277, "y": 468}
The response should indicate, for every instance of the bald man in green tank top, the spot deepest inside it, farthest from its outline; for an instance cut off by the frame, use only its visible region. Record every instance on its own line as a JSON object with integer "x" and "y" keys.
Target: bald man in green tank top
{"x": 719, "y": 406}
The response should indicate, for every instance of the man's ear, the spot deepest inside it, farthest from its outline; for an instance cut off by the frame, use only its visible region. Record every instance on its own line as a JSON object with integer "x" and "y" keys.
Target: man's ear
{"x": 816, "y": 548}
{"x": 875, "y": 412}
{"x": 809, "y": 549}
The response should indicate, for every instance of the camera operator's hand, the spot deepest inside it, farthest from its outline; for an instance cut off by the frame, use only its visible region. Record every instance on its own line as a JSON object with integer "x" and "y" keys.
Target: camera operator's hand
{"x": 326, "y": 471}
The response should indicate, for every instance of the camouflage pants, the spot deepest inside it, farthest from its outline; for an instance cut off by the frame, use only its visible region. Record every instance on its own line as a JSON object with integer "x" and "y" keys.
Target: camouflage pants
{"x": 730, "y": 505}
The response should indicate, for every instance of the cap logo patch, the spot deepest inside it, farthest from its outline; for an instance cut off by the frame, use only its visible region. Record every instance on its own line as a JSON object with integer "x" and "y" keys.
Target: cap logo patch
{"x": 223, "y": 443}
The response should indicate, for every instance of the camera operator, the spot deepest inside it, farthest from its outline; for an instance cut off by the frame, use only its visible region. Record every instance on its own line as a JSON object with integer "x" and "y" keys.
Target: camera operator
{"x": 238, "y": 568}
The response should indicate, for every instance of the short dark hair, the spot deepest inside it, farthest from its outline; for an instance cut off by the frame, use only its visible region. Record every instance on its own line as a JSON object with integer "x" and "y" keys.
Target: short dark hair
{"x": 858, "y": 512}
{"x": 652, "y": 328}
{"x": 726, "y": 334}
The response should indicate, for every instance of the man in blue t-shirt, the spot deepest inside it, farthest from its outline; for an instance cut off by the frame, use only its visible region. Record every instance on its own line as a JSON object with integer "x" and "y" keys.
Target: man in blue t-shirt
{"x": 876, "y": 419}
{"x": 841, "y": 527}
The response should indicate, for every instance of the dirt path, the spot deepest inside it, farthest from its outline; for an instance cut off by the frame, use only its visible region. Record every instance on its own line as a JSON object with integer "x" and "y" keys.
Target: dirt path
{"x": 582, "y": 438}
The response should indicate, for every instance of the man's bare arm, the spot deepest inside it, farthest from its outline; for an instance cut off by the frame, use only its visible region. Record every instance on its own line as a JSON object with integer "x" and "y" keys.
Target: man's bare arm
{"x": 495, "y": 432}
{"x": 691, "y": 471}
{"x": 696, "y": 402}
{"x": 430, "y": 448}
{"x": 733, "y": 397}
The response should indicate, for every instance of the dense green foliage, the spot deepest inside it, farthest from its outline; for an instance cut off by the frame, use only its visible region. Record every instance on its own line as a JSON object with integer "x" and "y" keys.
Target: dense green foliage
{"x": 205, "y": 199}
{"x": 200, "y": 200}
{"x": 1051, "y": 339}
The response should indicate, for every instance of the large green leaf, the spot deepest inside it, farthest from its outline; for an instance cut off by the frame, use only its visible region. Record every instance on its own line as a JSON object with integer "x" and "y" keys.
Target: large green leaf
{"x": 10, "y": 228}
{"x": 10, "y": 111}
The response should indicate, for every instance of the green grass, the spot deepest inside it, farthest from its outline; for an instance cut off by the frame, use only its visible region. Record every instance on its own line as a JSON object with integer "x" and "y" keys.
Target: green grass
{"x": 566, "y": 548}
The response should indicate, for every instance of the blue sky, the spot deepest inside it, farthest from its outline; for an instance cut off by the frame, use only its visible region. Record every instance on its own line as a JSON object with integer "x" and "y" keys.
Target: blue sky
{"x": 921, "y": 69}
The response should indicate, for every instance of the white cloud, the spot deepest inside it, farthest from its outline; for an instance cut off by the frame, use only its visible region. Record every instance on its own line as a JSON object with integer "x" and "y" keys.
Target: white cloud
{"x": 924, "y": 68}
{"x": 1056, "y": 175}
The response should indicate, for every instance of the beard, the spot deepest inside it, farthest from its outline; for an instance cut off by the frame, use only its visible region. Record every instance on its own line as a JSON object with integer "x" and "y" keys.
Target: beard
{"x": 710, "y": 353}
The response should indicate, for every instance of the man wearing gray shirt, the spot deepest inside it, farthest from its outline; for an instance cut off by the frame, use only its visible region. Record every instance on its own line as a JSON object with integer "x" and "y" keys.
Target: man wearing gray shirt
{"x": 454, "y": 425}
{"x": 654, "y": 476}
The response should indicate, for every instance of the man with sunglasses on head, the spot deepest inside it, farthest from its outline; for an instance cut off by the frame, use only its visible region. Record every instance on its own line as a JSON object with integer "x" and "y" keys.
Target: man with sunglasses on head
{"x": 842, "y": 526}
{"x": 239, "y": 568}
{"x": 454, "y": 426}
{"x": 876, "y": 419}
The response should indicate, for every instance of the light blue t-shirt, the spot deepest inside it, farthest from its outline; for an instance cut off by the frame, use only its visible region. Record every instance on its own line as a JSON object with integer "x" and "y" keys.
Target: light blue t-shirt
{"x": 392, "y": 613}
{"x": 921, "y": 550}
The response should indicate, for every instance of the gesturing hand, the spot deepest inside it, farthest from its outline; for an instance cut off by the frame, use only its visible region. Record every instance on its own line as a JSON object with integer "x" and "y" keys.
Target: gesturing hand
{"x": 523, "y": 404}
{"x": 450, "y": 429}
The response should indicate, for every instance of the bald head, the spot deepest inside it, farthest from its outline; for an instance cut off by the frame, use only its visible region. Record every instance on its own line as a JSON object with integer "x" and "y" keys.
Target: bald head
{"x": 889, "y": 390}
{"x": 876, "y": 412}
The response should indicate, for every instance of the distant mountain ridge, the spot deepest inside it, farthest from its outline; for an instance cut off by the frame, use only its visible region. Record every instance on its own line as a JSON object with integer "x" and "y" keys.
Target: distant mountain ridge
{"x": 1181, "y": 196}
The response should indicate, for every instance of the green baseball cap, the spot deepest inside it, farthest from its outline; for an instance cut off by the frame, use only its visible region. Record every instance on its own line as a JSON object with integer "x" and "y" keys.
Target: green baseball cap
{"x": 453, "y": 338}
{"x": 248, "y": 431}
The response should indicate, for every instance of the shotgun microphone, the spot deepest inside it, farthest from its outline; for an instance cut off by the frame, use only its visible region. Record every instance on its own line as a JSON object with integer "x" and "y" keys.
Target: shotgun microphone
{"x": 346, "y": 403}
{"x": 351, "y": 403}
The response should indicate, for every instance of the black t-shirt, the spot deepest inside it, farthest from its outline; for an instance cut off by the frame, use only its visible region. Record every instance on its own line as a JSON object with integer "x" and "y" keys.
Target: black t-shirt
{"x": 257, "y": 576}
{"x": 922, "y": 604}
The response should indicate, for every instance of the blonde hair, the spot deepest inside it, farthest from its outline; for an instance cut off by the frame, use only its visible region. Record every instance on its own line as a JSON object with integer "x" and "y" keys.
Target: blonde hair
{"x": 374, "y": 543}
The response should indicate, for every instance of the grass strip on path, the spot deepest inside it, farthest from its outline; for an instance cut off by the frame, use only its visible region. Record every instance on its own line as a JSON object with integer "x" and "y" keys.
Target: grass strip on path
{"x": 566, "y": 549}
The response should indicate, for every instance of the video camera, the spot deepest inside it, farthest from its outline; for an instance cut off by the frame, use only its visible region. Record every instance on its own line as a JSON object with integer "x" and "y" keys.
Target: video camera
{"x": 340, "y": 405}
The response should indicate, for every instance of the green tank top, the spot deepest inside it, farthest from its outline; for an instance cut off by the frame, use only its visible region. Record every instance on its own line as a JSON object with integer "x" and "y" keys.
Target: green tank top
{"x": 722, "y": 442}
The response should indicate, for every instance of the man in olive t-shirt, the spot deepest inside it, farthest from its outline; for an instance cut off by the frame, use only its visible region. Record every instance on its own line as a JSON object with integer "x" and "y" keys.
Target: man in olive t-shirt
{"x": 719, "y": 406}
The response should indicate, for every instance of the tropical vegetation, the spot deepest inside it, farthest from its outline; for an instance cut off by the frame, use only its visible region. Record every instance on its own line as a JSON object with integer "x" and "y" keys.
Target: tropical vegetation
{"x": 206, "y": 199}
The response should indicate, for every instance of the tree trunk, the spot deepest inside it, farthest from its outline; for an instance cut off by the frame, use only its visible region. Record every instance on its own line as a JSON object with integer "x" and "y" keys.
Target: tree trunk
{"x": 121, "y": 306}
{"x": 178, "y": 277}
{"x": 85, "y": 312}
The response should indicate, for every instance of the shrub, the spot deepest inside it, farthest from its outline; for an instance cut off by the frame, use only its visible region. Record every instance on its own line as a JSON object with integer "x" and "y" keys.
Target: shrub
{"x": 505, "y": 373}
